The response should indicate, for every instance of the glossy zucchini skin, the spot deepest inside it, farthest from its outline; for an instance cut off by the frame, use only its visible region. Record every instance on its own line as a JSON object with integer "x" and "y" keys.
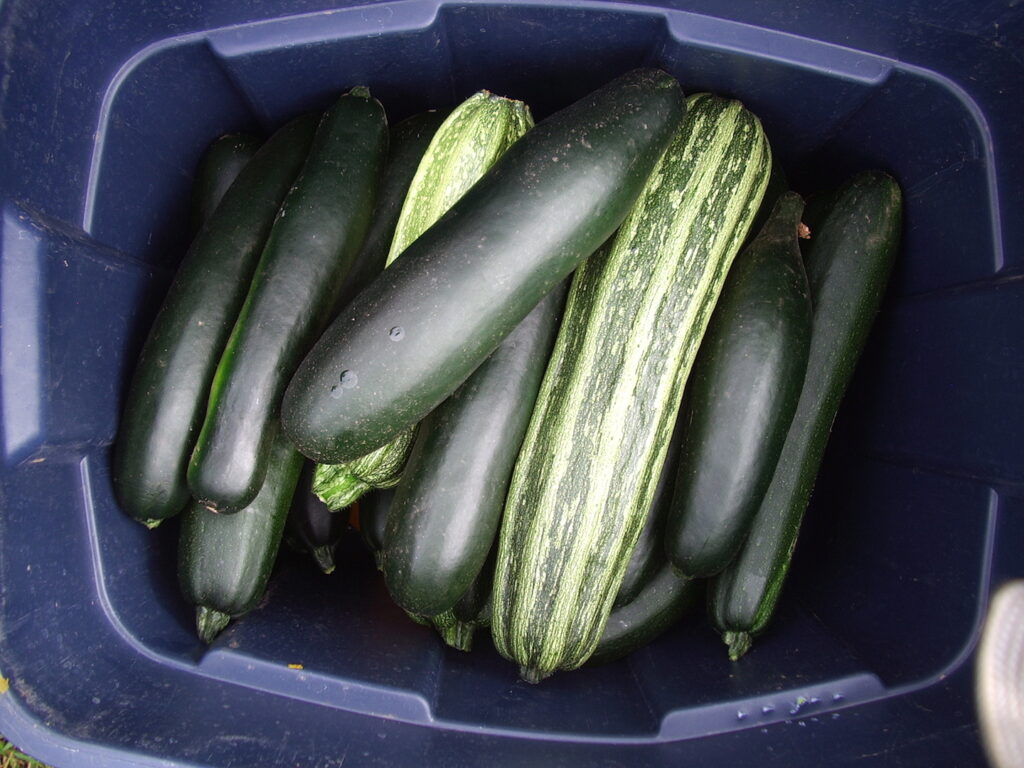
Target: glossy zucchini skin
{"x": 225, "y": 561}
{"x": 166, "y": 401}
{"x": 660, "y": 604}
{"x": 408, "y": 141}
{"x": 446, "y": 511}
{"x": 464, "y": 146}
{"x": 549, "y": 202}
{"x": 314, "y": 240}
{"x": 218, "y": 167}
{"x": 848, "y": 263}
{"x": 311, "y": 527}
{"x": 741, "y": 397}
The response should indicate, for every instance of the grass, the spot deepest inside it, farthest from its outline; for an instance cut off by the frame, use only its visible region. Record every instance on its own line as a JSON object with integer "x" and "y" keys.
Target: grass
{"x": 11, "y": 757}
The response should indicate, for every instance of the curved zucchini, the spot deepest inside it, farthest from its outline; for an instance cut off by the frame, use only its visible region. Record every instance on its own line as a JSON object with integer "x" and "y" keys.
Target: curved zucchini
{"x": 659, "y": 605}
{"x": 317, "y": 233}
{"x": 741, "y": 397}
{"x": 166, "y": 401}
{"x": 446, "y": 511}
{"x": 219, "y": 165}
{"x": 311, "y": 527}
{"x": 466, "y": 144}
{"x": 549, "y": 202}
{"x": 224, "y": 561}
{"x": 848, "y": 265}
{"x": 597, "y": 440}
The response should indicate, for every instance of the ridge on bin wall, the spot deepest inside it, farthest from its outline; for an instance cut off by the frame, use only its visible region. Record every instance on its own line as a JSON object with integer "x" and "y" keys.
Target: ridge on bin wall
{"x": 975, "y": 50}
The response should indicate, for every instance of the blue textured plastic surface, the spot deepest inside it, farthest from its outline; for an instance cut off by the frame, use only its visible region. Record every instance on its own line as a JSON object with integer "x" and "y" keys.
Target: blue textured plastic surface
{"x": 919, "y": 512}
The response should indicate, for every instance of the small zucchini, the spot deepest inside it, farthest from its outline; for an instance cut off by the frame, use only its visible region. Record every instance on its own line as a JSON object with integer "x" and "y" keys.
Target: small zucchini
{"x": 311, "y": 527}
{"x": 224, "y": 561}
{"x": 660, "y": 603}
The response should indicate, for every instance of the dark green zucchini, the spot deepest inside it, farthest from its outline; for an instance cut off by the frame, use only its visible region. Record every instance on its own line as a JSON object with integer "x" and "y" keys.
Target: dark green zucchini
{"x": 465, "y": 145}
{"x": 317, "y": 234}
{"x": 848, "y": 265}
{"x": 447, "y": 509}
{"x": 660, "y": 604}
{"x": 224, "y": 561}
{"x": 220, "y": 164}
{"x": 409, "y": 139}
{"x": 166, "y": 401}
{"x": 741, "y": 396}
{"x": 373, "y": 520}
{"x": 428, "y": 321}
{"x": 311, "y": 527}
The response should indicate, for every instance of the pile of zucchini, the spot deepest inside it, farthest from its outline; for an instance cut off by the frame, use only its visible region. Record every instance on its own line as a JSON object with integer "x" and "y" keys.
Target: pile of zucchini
{"x": 595, "y": 360}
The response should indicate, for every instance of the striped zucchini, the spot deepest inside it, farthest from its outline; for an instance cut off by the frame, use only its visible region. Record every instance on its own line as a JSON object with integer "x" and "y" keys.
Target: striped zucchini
{"x": 466, "y": 144}
{"x": 600, "y": 430}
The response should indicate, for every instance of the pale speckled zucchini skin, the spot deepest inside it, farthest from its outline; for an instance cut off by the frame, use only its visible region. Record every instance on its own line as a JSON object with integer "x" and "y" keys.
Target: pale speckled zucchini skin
{"x": 635, "y": 315}
{"x": 467, "y": 143}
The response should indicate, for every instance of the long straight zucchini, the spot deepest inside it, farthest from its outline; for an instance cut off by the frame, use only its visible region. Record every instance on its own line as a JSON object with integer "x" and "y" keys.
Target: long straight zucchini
{"x": 741, "y": 396}
{"x": 167, "y": 398}
{"x": 224, "y": 561}
{"x": 466, "y": 144}
{"x": 549, "y": 202}
{"x": 446, "y": 511}
{"x": 316, "y": 236}
{"x": 848, "y": 265}
{"x": 218, "y": 167}
{"x": 591, "y": 459}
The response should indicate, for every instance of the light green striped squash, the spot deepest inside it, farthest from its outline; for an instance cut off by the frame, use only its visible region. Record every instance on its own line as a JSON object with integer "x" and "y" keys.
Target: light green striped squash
{"x": 600, "y": 430}
{"x": 466, "y": 145}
